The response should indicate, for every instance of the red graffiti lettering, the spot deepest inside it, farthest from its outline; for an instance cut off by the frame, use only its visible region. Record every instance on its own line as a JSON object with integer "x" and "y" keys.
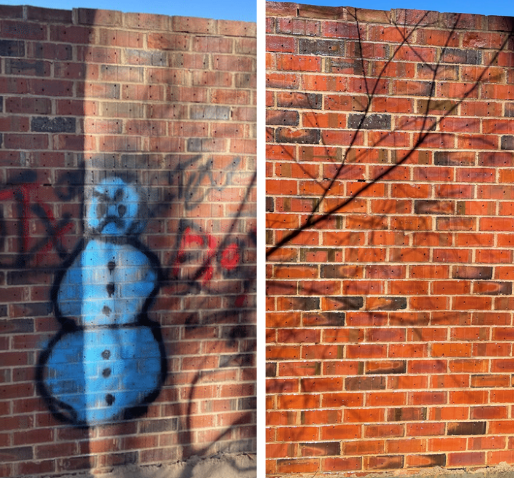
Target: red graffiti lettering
{"x": 29, "y": 207}
{"x": 230, "y": 257}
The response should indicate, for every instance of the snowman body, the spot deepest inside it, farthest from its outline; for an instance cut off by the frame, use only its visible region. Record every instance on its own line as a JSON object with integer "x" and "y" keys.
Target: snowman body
{"x": 111, "y": 362}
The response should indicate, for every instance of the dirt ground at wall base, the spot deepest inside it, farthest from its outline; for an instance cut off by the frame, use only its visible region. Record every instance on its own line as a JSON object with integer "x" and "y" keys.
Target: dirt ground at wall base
{"x": 218, "y": 466}
{"x": 503, "y": 470}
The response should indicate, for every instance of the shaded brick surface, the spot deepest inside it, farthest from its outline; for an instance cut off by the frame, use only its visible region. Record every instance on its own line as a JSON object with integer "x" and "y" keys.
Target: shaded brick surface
{"x": 166, "y": 104}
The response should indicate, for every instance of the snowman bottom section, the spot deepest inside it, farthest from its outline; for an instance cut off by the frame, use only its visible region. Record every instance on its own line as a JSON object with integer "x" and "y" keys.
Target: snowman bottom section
{"x": 95, "y": 376}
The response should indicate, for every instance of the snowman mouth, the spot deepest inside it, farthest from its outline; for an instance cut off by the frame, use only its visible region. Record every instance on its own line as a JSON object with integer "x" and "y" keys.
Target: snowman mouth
{"x": 117, "y": 221}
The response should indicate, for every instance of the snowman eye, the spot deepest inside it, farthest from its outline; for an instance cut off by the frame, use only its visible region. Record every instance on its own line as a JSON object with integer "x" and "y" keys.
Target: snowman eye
{"x": 118, "y": 195}
{"x": 122, "y": 209}
{"x": 101, "y": 209}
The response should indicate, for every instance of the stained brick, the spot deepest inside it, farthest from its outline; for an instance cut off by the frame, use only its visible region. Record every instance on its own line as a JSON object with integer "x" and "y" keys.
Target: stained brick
{"x": 20, "y": 453}
{"x": 12, "y": 48}
{"x": 425, "y": 461}
{"x": 27, "y": 67}
{"x": 386, "y": 367}
{"x": 306, "y": 136}
{"x": 365, "y": 383}
{"x": 507, "y": 143}
{"x": 455, "y": 55}
{"x": 406, "y": 414}
{"x": 53, "y": 125}
{"x": 385, "y": 462}
{"x": 466, "y": 428}
{"x": 434, "y": 207}
{"x": 321, "y": 47}
{"x": 370, "y": 121}
{"x": 299, "y": 100}
{"x": 325, "y": 319}
{"x": 472, "y": 272}
{"x": 288, "y": 118}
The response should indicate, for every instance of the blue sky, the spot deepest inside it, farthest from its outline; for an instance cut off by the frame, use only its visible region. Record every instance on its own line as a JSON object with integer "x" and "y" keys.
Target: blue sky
{"x": 243, "y": 10}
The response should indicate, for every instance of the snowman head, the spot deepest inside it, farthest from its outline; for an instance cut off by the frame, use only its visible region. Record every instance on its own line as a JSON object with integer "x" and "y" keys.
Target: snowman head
{"x": 114, "y": 209}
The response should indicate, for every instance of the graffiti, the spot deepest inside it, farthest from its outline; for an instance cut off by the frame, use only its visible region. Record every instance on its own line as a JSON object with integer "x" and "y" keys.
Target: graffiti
{"x": 209, "y": 265}
{"x": 108, "y": 361}
{"x": 212, "y": 261}
{"x": 24, "y": 193}
{"x": 197, "y": 180}
{"x": 207, "y": 262}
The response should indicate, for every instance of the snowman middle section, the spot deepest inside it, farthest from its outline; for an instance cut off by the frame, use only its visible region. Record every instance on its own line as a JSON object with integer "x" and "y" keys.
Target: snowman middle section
{"x": 107, "y": 285}
{"x": 114, "y": 359}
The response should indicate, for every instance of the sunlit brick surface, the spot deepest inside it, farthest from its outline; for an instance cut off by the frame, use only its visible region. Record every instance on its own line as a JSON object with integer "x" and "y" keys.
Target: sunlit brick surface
{"x": 389, "y": 237}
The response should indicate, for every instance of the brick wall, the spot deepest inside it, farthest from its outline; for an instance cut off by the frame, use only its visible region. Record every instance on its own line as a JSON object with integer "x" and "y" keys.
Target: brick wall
{"x": 390, "y": 154}
{"x": 127, "y": 239}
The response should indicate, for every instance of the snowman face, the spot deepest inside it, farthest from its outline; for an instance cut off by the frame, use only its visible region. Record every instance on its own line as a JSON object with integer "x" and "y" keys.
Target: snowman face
{"x": 114, "y": 209}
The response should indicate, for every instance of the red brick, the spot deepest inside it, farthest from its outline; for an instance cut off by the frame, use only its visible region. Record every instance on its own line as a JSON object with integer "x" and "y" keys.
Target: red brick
{"x": 298, "y": 63}
{"x": 446, "y": 444}
{"x": 341, "y": 464}
{"x": 369, "y": 447}
{"x": 424, "y": 429}
{"x": 409, "y": 445}
{"x": 466, "y": 459}
{"x": 449, "y": 413}
{"x": 486, "y": 443}
{"x": 496, "y": 457}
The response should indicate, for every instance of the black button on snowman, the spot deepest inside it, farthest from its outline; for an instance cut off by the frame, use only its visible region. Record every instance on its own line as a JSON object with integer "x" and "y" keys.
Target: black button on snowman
{"x": 107, "y": 362}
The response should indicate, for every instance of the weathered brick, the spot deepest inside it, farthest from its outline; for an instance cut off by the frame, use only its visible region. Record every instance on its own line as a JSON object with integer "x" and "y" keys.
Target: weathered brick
{"x": 150, "y": 22}
{"x": 288, "y": 118}
{"x": 210, "y": 112}
{"x": 407, "y": 414}
{"x": 194, "y": 25}
{"x": 370, "y": 121}
{"x": 385, "y": 462}
{"x": 27, "y": 67}
{"x": 11, "y": 11}
{"x": 12, "y": 48}
{"x": 90, "y": 16}
{"x": 424, "y": 461}
{"x": 307, "y": 136}
{"x": 467, "y": 428}
{"x": 317, "y": 11}
{"x": 472, "y": 272}
{"x": 455, "y": 55}
{"x": 61, "y": 124}
{"x": 49, "y": 15}
{"x": 321, "y": 47}
{"x": 434, "y": 207}
{"x": 365, "y": 383}
{"x": 326, "y": 319}
{"x": 388, "y": 367}
{"x": 299, "y": 100}
{"x": 507, "y": 143}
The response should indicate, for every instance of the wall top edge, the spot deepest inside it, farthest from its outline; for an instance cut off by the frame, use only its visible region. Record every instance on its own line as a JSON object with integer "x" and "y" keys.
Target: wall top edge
{"x": 119, "y": 19}
{"x": 402, "y": 16}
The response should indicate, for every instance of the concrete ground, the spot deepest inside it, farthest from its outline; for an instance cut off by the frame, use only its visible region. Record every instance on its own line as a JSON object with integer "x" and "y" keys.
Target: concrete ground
{"x": 218, "y": 466}
{"x": 244, "y": 466}
{"x": 503, "y": 470}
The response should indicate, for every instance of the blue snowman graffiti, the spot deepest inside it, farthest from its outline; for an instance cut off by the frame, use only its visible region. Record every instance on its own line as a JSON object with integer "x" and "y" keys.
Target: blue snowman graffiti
{"x": 107, "y": 362}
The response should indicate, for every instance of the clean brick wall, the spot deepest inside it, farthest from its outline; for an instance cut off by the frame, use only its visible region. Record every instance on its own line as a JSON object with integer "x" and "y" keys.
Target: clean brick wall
{"x": 389, "y": 323}
{"x": 167, "y": 104}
